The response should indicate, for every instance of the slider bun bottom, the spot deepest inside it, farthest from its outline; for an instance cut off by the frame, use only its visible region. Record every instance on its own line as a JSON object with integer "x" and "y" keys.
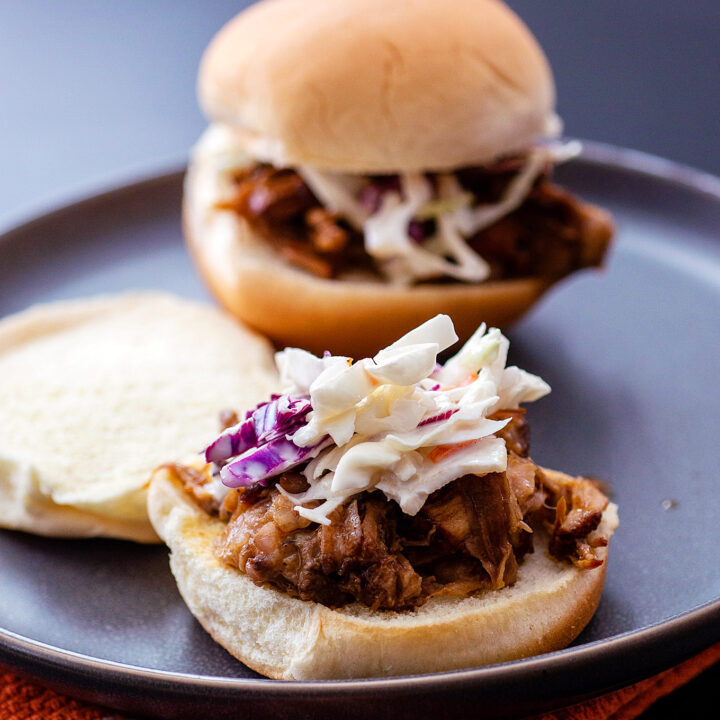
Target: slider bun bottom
{"x": 351, "y": 317}
{"x": 290, "y": 639}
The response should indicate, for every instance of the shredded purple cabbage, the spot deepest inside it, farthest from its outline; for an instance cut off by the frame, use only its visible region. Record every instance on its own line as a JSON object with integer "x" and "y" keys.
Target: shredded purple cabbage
{"x": 371, "y": 195}
{"x": 262, "y": 439}
{"x": 420, "y": 230}
{"x": 233, "y": 441}
{"x": 260, "y": 464}
{"x": 439, "y": 417}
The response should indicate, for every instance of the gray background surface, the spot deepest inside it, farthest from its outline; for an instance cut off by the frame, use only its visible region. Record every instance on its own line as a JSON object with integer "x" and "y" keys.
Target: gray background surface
{"x": 92, "y": 91}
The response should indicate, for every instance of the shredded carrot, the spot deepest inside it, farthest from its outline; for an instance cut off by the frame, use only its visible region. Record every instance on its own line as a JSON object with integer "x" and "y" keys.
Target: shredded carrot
{"x": 440, "y": 452}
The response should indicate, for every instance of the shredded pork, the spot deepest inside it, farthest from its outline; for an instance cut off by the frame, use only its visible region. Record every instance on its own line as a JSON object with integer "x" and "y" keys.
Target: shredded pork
{"x": 470, "y": 535}
{"x": 550, "y": 235}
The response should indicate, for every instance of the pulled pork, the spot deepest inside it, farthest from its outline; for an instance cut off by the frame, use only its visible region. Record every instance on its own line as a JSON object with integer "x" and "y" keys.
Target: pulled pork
{"x": 469, "y": 536}
{"x": 550, "y": 235}
{"x": 282, "y": 209}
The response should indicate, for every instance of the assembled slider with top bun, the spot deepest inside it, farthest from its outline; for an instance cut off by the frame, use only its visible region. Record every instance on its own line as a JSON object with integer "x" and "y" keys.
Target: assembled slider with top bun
{"x": 371, "y": 159}
{"x": 383, "y": 517}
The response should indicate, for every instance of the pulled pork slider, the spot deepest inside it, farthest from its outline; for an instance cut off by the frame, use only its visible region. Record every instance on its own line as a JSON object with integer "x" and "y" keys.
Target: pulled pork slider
{"x": 384, "y": 517}
{"x": 370, "y": 158}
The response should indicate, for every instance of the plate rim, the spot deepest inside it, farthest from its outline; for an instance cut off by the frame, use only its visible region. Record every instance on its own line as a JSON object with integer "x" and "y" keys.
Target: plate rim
{"x": 633, "y": 642}
{"x": 630, "y": 642}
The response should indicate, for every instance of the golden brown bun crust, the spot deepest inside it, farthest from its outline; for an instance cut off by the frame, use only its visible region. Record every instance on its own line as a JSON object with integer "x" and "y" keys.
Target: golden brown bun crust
{"x": 379, "y": 86}
{"x": 291, "y": 639}
{"x": 354, "y": 318}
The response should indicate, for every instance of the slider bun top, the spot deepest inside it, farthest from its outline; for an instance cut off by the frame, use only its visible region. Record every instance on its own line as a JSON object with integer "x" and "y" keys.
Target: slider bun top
{"x": 96, "y": 393}
{"x": 374, "y": 86}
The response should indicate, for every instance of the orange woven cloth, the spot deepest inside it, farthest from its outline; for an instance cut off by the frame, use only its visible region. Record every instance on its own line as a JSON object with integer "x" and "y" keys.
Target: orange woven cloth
{"x": 631, "y": 701}
{"x": 23, "y": 700}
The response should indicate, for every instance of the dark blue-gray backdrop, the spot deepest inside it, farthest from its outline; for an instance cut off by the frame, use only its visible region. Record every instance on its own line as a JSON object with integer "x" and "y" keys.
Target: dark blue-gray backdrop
{"x": 91, "y": 91}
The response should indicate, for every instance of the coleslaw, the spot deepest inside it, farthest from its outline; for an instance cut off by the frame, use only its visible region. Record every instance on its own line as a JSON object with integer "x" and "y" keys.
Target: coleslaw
{"x": 398, "y": 423}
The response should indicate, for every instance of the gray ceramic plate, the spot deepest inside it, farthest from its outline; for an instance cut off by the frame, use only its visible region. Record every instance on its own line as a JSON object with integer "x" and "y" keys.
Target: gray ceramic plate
{"x": 632, "y": 356}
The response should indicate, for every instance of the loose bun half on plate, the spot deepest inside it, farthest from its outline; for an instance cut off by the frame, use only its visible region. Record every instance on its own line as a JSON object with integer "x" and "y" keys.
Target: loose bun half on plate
{"x": 290, "y": 639}
{"x": 95, "y": 393}
{"x": 431, "y": 85}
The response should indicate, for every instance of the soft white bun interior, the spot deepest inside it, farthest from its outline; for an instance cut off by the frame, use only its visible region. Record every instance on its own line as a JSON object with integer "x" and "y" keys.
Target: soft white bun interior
{"x": 292, "y": 639}
{"x": 96, "y": 393}
{"x": 379, "y": 86}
